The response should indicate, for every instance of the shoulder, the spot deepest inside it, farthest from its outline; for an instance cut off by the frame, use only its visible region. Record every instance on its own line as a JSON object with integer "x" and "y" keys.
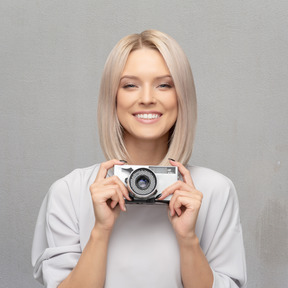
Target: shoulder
{"x": 206, "y": 175}
{"x": 214, "y": 185}
{"x": 77, "y": 177}
{"x": 81, "y": 175}
{"x": 220, "y": 205}
{"x": 69, "y": 188}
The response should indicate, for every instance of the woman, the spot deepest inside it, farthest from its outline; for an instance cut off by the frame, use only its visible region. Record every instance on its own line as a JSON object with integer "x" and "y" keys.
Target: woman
{"x": 146, "y": 115}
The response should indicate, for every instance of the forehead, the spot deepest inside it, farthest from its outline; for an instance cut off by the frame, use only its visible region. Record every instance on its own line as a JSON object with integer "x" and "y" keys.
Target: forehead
{"x": 145, "y": 60}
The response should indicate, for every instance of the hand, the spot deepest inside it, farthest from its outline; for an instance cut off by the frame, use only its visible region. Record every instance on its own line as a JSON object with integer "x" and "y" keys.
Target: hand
{"x": 106, "y": 194}
{"x": 184, "y": 205}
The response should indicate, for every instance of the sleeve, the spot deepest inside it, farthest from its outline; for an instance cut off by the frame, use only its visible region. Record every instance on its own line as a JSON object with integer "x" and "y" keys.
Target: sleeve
{"x": 56, "y": 245}
{"x": 226, "y": 254}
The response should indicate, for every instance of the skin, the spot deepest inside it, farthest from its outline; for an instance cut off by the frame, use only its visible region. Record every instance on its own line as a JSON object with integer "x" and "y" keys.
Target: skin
{"x": 184, "y": 207}
{"x": 146, "y": 86}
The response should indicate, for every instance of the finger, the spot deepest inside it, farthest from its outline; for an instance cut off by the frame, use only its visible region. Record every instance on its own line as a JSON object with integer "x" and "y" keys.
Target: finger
{"x": 179, "y": 185}
{"x": 177, "y": 212}
{"x": 121, "y": 200}
{"x": 113, "y": 204}
{"x": 103, "y": 193}
{"x": 110, "y": 181}
{"x": 105, "y": 166}
{"x": 115, "y": 195}
{"x": 175, "y": 208}
{"x": 115, "y": 180}
{"x": 172, "y": 203}
{"x": 184, "y": 172}
{"x": 179, "y": 203}
{"x": 186, "y": 199}
{"x": 115, "y": 199}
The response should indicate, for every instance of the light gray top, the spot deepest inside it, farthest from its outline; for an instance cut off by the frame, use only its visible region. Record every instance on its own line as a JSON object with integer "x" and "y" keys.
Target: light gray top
{"x": 143, "y": 250}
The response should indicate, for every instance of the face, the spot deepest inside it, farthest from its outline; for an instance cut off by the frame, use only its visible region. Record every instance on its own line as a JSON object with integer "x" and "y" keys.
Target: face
{"x": 146, "y": 97}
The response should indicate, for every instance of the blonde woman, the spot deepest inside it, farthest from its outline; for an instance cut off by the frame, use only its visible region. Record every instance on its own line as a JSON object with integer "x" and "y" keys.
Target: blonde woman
{"x": 87, "y": 236}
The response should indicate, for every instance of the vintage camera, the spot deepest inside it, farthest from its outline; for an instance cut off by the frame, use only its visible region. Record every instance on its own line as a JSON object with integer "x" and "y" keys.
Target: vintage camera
{"x": 145, "y": 183}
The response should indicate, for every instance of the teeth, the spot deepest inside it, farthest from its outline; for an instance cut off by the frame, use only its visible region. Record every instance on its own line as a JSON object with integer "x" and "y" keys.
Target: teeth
{"x": 147, "y": 116}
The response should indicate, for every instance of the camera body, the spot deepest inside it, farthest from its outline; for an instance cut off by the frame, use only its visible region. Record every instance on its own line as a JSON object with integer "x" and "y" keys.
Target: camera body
{"x": 145, "y": 183}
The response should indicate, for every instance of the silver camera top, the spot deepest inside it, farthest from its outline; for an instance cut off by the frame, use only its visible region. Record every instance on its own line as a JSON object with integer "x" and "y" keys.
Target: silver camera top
{"x": 146, "y": 182}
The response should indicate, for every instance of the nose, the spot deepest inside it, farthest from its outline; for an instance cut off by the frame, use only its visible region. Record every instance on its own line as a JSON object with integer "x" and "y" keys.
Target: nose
{"x": 147, "y": 96}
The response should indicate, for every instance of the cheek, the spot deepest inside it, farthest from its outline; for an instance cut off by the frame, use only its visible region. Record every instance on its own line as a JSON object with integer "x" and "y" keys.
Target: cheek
{"x": 122, "y": 111}
{"x": 124, "y": 101}
{"x": 120, "y": 105}
{"x": 175, "y": 112}
{"x": 174, "y": 107}
{"x": 173, "y": 115}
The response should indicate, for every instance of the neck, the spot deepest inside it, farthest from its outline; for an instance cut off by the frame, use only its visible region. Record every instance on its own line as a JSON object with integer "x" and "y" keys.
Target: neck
{"x": 146, "y": 152}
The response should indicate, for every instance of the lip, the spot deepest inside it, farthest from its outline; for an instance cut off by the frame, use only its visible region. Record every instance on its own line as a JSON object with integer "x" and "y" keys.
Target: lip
{"x": 145, "y": 114}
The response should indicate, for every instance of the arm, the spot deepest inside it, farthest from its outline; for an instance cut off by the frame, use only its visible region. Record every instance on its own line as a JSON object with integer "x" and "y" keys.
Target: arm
{"x": 223, "y": 242}
{"x": 106, "y": 193}
{"x": 195, "y": 269}
{"x": 223, "y": 263}
{"x": 90, "y": 270}
{"x": 183, "y": 212}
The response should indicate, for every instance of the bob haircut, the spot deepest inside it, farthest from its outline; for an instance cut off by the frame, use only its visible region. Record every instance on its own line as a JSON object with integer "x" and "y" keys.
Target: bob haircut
{"x": 181, "y": 139}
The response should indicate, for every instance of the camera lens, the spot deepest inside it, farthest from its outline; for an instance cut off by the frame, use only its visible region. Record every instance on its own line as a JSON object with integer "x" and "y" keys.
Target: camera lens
{"x": 142, "y": 183}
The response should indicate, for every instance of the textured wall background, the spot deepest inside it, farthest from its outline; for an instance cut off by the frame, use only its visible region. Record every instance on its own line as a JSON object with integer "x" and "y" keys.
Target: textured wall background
{"x": 51, "y": 57}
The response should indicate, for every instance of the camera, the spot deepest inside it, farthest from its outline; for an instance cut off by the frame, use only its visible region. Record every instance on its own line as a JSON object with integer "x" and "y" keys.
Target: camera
{"x": 145, "y": 183}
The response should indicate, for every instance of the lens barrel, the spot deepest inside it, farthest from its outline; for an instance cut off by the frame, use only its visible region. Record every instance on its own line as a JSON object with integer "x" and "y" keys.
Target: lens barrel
{"x": 142, "y": 183}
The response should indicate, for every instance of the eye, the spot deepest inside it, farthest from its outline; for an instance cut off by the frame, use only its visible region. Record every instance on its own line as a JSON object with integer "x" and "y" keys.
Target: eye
{"x": 165, "y": 85}
{"x": 130, "y": 85}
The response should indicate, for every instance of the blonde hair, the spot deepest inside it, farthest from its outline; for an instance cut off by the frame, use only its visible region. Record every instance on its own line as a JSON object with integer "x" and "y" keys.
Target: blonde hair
{"x": 182, "y": 133}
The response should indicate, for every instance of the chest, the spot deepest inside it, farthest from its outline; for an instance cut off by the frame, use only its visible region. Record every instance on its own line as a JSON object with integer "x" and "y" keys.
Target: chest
{"x": 143, "y": 246}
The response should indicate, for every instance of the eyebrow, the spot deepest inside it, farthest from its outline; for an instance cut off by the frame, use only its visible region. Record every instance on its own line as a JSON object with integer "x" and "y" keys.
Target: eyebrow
{"x": 136, "y": 78}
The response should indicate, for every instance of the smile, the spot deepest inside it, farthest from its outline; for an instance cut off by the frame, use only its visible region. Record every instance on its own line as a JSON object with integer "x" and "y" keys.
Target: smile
{"x": 147, "y": 116}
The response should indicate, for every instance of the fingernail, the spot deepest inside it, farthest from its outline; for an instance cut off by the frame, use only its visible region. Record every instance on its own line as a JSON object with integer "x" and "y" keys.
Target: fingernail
{"x": 171, "y": 159}
{"x": 158, "y": 196}
{"x": 123, "y": 161}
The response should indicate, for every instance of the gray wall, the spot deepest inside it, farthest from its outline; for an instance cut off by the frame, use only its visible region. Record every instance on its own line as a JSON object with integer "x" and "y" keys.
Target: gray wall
{"x": 51, "y": 57}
